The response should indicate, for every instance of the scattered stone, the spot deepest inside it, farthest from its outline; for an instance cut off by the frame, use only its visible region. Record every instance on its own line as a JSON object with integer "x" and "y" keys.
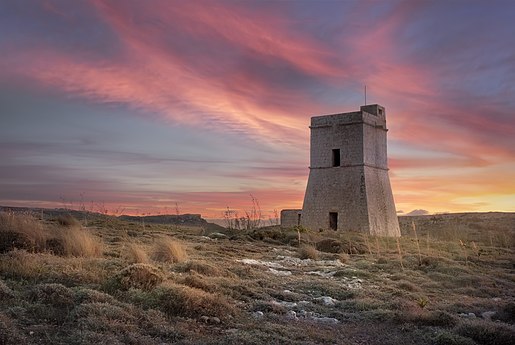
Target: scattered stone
{"x": 329, "y": 274}
{"x": 280, "y": 273}
{"x": 487, "y": 315}
{"x": 218, "y": 236}
{"x": 209, "y": 319}
{"x": 260, "y": 263}
{"x": 328, "y": 320}
{"x": 467, "y": 315}
{"x": 326, "y": 300}
{"x": 291, "y": 315}
{"x": 285, "y": 304}
{"x": 258, "y": 314}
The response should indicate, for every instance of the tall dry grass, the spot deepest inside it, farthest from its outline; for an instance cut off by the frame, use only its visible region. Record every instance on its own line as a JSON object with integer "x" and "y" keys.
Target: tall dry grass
{"x": 168, "y": 250}
{"x": 78, "y": 242}
{"x": 21, "y": 231}
{"x": 308, "y": 252}
{"x": 136, "y": 254}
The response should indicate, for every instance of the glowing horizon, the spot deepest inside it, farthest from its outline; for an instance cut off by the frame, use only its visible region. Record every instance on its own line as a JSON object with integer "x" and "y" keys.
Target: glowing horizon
{"x": 138, "y": 107}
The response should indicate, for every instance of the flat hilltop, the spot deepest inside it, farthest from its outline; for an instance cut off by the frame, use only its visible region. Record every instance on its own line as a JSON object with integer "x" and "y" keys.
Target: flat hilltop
{"x": 79, "y": 278}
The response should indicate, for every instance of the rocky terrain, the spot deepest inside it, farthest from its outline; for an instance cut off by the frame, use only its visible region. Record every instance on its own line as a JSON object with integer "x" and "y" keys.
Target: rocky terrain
{"x": 105, "y": 280}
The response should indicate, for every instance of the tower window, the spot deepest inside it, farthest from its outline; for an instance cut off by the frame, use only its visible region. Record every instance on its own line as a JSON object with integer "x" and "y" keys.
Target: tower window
{"x": 336, "y": 157}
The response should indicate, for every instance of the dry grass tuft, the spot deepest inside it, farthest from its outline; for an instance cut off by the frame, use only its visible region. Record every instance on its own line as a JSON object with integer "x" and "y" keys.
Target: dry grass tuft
{"x": 19, "y": 263}
{"x": 77, "y": 242}
{"x": 180, "y": 300}
{"x": 168, "y": 250}
{"x": 135, "y": 254}
{"x": 139, "y": 276}
{"x": 21, "y": 231}
{"x": 204, "y": 269}
{"x": 344, "y": 258}
{"x": 197, "y": 281}
{"x": 329, "y": 245}
{"x": 68, "y": 220}
{"x": 308, "y": 252}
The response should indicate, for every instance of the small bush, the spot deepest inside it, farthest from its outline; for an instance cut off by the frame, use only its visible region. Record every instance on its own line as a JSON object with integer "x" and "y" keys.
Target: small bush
{"x": 135, "y": 254}
{"x": 139, "y": 276}
{"x": 180, "y": 300}
{"x": 68, "y": 220}
{"x": 85, "y": 295}
{"x": 168, "y": 250}
{"x": 205, "y": 269}
{"x": 51, "y": 302}
{"x": 5, "y": 292}
{"x": 308, "y": 252}
{"x": 9, "y": 334}
{"x": 52, "y": 294}
{"x": 449, "y": 338}
{"x": 344, "y": 258}
{"x": 487, "y": 333}
{"x": 329, "y": 245}
{"x": 506, "y": 313}
{"x": 196, "y": 281}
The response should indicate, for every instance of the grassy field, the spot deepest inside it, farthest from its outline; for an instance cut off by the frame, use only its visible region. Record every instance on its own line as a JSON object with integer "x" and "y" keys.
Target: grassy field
{"x": 448, "y": 280}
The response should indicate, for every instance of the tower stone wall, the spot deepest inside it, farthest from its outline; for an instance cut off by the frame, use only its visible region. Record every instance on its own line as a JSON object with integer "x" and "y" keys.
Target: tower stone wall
{"x": 348, "y": 187}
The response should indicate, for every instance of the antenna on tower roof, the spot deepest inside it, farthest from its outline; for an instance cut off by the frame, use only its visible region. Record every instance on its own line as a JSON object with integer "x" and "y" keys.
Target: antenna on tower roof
{"x": 365, "y": 94}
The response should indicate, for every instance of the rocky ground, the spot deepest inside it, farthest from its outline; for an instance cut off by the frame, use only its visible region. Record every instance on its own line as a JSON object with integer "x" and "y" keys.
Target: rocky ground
{"x": 135, "y": 283}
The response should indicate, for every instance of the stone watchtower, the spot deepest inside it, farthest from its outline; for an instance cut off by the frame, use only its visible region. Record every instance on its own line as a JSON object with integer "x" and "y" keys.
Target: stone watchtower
{"x": 348, "y": 187}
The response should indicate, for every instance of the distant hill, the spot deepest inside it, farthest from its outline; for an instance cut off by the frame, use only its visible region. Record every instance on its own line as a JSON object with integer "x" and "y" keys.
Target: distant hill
{"x": 195, "y": 220}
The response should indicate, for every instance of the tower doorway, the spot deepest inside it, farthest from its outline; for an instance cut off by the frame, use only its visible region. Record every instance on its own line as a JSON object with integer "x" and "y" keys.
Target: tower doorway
{"x": 333, "y": 220}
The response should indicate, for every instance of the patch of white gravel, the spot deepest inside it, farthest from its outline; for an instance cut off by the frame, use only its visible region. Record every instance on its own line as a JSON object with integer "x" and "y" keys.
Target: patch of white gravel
{"x": 261, "y": 263}
{"x": 279, "y": 273}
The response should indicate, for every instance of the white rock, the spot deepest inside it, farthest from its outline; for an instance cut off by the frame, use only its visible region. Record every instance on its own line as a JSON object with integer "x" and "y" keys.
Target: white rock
{"x": 260, "y": 263}
{"x": 280, "y": 273}
{"x": 326, "y": 300}
{"x": 329, "y": 320}
{"x": 291, "y": 315}
{"x": 487, "y": 315}
{"x": 258, "y": 314}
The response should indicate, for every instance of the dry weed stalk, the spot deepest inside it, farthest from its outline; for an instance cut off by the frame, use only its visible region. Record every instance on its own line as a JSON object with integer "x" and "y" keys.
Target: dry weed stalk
{"x": 400, "y": 253}
{"x": 427, "y": 244}
{"x": 368, "y": 244}
{"x": 464, "y": 251}
{"x": 418, "y": 244}
{"x": 377, "y": 247}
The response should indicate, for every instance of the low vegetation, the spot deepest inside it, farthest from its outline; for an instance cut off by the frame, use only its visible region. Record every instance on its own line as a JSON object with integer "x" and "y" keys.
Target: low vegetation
{"x": 124, "y": 282}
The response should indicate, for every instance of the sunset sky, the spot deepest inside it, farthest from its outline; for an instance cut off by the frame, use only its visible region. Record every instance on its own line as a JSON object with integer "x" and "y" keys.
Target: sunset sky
{"x": 138, "y": 105}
